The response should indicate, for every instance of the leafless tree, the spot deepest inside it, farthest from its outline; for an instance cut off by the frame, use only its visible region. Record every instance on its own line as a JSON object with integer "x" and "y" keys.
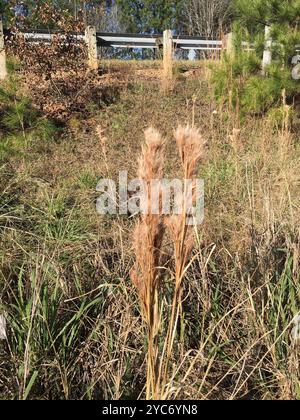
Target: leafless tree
{"x": 111, "y": 20}
{"x": 207, "y": 17}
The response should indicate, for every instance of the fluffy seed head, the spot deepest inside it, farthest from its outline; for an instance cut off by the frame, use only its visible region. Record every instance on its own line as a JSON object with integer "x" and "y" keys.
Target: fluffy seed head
{"x": 190, "y": 144}
{"x": 151, "y": 161}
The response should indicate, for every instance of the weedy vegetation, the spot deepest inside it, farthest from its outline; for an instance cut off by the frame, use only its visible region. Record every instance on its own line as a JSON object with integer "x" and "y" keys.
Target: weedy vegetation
{"x": 122, "y": 307}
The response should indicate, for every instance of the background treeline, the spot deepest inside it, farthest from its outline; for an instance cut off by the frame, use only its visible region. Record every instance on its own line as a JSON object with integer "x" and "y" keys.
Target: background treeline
{"x": 194, "y": 17}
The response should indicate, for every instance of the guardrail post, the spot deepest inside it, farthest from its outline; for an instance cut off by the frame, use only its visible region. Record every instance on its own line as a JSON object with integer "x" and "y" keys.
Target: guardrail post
{"x": 91, "y": 41}
{"x": 229, "y": 44}
{"x": 267, "y": 58}
{"x": 192, "y": 54}
{"x": 168, "y": 56}
{"x": 3, "y": 70}
{"x": 296, "y": 67}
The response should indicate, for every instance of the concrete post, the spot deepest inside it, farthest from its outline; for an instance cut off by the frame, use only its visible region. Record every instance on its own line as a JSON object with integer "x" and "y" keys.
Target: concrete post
{"x": 168, "y": 55}
{"x": 91, "y": 41}
{"x": 3, "y": 69}
{"x": 230, "y": 44}
{"x": 267, "y": 57}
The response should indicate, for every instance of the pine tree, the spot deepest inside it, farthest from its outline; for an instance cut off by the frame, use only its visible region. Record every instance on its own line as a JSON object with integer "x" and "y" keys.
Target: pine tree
{"x": 255, "y": 89}
{"x": 150, "y": 15}
{"x": 283, "y": 19}
{"x": 255, "y": 13}
{"x": 282, "y": 16}
{"x": 4, "y": 7}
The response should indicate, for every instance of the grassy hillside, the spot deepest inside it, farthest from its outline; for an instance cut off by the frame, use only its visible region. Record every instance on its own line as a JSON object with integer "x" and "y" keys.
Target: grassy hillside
{"x": 74, "y": 325}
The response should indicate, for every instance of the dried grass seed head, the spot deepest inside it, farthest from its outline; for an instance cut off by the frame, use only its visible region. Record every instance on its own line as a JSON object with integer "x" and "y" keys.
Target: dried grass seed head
{"x": 151, "y": 161}
{"x": 190, "y": 144}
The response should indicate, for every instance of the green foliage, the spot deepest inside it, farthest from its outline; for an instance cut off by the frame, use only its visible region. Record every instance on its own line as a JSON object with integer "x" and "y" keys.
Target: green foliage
{"x": 256, "y": 13}
{"x": 3, "y": 6}
{"x": 283, "y": 18}
{"x": 20, "y": 122}
{"x": 41, "y": 320}
{"x": 261, "y": 93}
{"x": 150, "y": 15}
{"x": 228, "y": 78}
{"x": 242, "y": 75}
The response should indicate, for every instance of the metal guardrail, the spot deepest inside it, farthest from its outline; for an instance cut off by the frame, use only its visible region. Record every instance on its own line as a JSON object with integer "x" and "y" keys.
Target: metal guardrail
{"x": 155, "y": 41}
{"x": 131, "y": 40}
{"x": 126, "y": 40}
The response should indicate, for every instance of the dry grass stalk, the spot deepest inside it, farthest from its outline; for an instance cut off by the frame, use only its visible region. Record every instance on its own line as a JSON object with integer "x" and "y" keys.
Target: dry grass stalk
{"x": 148, "y": 236}
{"x": 103, "y": 141}
{"x": 190, "y": 144}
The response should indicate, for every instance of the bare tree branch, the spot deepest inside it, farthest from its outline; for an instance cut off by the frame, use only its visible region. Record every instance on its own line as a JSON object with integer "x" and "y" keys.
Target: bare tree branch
{"x": 207, "y": 17}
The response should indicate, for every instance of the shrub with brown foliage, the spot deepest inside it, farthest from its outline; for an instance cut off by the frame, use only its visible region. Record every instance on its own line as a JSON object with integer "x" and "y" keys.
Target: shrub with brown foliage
{"x": 56, "y": 72}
